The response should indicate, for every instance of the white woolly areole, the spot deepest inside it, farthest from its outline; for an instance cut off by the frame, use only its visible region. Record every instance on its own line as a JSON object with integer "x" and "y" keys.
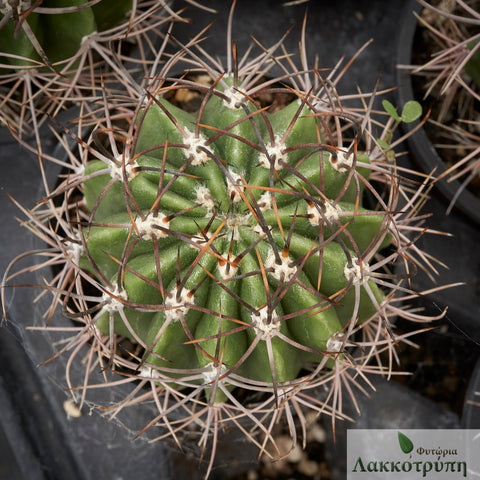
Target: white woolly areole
{"x": 234, "y": 222}
{"x": 261, "y": 324}
{"x": 258, "y": 229}
{"x": 113, "y": 304}
{"x": 176, "y": 307}
{"x": 116, "y": 168}
{"x": 274, "y": 154}
{"x": 198, "y": 241}
{"x": 80, "y": 170}
{"x": 146, "y": 228}
{"x": 335, "y": 342}
{"x": 282, "y": 270}
{"x": 147, "y": 98}
{"x": 148, "y": 372}
{"x": 343, "y": 162}
{"x": 74, "y": 250}
{"x": 265, "y": 202}
{"x": 235, "y": 99}
{"x": 331, "y": 213}
{"x": 226, "y": 269}
{"x": 194, "y": 148}
{"x": 6, "y": 6}
{"x": 205, "y": 198}
{"x": 235, "y": 187}
{"x": 354, "y": 272}
{"x": 211, "y": 372}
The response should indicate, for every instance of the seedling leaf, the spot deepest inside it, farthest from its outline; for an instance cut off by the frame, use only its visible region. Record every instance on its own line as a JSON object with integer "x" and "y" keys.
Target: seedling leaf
{"x": 405, "y": 443}
{"x": 412, "y": 111}
{"x": 383, "y": 143}
{"x": 391, "y": 110}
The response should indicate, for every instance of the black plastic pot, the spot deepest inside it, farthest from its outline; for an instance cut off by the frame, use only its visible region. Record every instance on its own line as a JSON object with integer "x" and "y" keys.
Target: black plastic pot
{"x": 460, "y": 251}
{"x": 46, "y": 444}
{"x": 424, "y": 153}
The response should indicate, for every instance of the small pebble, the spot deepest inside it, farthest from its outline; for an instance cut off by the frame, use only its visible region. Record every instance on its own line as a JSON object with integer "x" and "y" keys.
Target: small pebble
{"x": 71, "y": 409}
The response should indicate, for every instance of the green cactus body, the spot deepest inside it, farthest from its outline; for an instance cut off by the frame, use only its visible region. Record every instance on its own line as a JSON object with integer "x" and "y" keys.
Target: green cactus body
{"x": 232, "y": 239}
{"x": 59, "y": 34}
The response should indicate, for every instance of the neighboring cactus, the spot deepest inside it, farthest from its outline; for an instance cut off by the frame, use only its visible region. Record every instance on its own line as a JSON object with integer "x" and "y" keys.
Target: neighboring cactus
{"x": 31, "y": 35}
{"x": 56, "y": 51}
{"x": 234, "y": 245}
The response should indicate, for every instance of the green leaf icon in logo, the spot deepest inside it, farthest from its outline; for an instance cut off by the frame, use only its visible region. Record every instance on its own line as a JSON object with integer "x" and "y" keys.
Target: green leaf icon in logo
{"x": 405, "y": 443}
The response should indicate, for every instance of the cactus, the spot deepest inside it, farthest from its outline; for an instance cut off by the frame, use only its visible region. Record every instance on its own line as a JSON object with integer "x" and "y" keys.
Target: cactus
{"x": 56, "y": 40}
{"x": 56, "y": 51}
{"x": 242, "y": 248}
{"x": 239, "y": 223}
